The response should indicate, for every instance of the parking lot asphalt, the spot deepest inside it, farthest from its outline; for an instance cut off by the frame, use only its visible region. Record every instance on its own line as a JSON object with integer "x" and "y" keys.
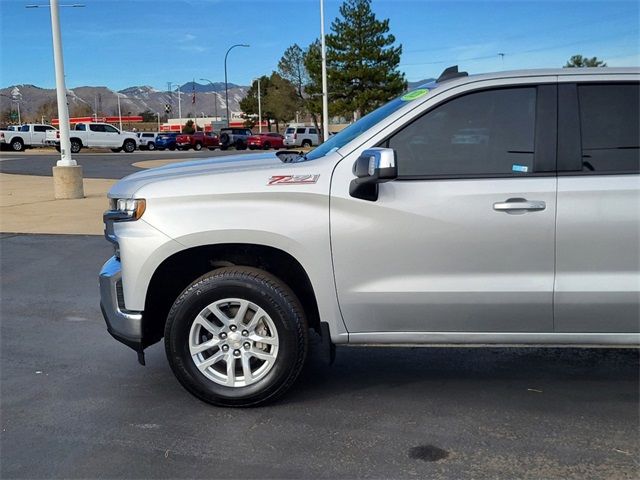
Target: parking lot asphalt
{"x": 96, "y": 165}
{"x": 75, "y": 403}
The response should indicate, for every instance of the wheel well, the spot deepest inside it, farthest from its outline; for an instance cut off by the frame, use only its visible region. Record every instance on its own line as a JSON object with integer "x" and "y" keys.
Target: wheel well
{"x": 184, "y": 267}
{"x": 76, "y": 138}
{"x": 13, "y": 139}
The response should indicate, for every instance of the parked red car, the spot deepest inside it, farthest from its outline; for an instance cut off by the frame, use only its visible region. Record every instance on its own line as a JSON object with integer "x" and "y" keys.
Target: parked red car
{"x": 265, "y": 140}
{"x": 197, "y": 140}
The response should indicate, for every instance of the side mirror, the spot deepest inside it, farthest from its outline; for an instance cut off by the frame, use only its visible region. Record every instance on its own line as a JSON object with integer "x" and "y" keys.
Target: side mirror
{"x": 373, "y": 166}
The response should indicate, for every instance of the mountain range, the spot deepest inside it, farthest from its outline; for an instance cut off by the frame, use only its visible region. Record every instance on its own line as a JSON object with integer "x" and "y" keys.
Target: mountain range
{"x": 36, "y": 102}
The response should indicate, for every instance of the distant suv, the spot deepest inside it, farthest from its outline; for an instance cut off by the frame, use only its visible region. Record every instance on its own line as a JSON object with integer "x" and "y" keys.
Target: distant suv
{"x": 147, "y": 140}
{"x": 234, "y": 137}
{"x": 301, "y": 137}
{"x": 498, "y": 209}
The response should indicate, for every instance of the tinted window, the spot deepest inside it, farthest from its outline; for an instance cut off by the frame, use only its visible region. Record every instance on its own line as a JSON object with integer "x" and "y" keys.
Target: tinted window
{"x": 313, "y": 131}
{"x": 610, "y": 128}
{"x": 147, "y": 135}
{"x": 290, "y": 130}
{"x": 301, "y": 130}
{"x": 39, "y": 128}
{"x": 96, "y": 128}
{"x": 483, "y": 133}
{"x": 81, "y": 126}
{"x": 110, "y": 129}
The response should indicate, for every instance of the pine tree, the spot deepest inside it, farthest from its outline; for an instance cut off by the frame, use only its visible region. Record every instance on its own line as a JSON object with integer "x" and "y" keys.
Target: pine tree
{"x": 362, "y": 61}
{"x": 580, "y": 61}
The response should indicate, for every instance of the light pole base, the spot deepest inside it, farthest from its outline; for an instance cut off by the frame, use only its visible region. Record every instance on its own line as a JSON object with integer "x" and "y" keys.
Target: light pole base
{"x": 67, "y": 182}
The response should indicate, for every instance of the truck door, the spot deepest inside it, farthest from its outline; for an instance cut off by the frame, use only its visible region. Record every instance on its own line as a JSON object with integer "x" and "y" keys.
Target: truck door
{"x": 597, "y": 286}
{"x": 463, "y": 239}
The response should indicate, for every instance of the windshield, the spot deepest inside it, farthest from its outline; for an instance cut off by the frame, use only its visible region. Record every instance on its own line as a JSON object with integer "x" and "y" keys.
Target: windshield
{"x": 365, "y": 123}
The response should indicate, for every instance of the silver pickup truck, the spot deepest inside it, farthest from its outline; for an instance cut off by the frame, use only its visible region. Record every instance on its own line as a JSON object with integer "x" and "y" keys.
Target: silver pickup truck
{"x": 497, "y": 209}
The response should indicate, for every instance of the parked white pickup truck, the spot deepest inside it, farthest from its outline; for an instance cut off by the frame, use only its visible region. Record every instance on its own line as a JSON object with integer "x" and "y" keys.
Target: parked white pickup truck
{"x": 26, "y": 136}
{"x": 97, "y": 135}
{"x": 497, "y": 209}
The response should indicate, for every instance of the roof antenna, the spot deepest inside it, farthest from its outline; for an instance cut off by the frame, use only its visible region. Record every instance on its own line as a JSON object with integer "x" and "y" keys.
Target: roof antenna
{"x": 451, "y": 73}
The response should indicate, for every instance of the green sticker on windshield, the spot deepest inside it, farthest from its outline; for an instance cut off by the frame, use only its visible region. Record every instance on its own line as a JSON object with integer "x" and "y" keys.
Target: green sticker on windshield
{"x": 421, "y": 92}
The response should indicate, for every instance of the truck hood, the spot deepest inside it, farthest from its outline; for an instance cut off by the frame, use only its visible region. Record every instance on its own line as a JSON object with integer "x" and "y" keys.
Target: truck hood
{"x": 236, "y": 164}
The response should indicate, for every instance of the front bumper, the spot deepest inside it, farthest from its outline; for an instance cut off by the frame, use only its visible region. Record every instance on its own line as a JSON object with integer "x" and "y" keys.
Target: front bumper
{"x": 124, "y": 325}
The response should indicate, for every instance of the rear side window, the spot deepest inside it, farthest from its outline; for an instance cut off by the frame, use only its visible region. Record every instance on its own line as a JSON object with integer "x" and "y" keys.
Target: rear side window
{"x": 484, "y": 133}
{"x": 313, "y": 131}
{"x": 96, "y": 128}
{"x": 610, "y": 128}
{"x": 39, "y": 128}
{"x": 81, "y": 127}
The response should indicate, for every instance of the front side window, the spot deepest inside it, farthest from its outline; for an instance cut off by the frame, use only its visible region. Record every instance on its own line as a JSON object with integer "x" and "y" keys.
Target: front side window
{"x": 300, "y": 130}
{"x": 290, "y": 130}
{"x": 109, "y": 129}
{"x": 610, "y": 128}
{"x": 483, "y": 133}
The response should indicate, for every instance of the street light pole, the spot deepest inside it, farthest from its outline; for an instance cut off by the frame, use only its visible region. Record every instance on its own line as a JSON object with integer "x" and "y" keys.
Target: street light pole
{"x": 325, "y": 94}
{"x": 215, "y": 98}
{"x": 226, "y": 89}
{"x": 67, "y": 174}
{"x": 119, "y": 111}
{"x": 158, "y": 115}
{"x": 259, "y": 109}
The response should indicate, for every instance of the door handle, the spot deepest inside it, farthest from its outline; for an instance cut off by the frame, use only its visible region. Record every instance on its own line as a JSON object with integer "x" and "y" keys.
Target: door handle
{"x": 519, "y": 205}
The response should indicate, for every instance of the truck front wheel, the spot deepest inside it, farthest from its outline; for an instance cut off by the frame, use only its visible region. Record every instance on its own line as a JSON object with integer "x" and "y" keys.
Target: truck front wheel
{"x": 236, "y": 337}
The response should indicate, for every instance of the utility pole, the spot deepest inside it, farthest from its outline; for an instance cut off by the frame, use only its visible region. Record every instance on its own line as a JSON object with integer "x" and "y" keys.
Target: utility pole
{"x": 325, "y": 94}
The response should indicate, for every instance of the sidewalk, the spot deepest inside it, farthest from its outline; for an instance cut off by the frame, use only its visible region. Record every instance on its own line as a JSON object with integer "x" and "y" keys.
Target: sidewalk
{"x": 27, "y": 205}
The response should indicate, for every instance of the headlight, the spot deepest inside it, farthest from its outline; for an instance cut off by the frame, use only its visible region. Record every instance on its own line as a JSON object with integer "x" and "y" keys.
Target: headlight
{"x": 126, "y": 209}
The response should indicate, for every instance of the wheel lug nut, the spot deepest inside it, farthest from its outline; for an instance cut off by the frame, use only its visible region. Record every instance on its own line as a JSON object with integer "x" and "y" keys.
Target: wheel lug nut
{"x": 236, "y": 353}
{"x": 223, "y": 335}
{"x": 245, "y": 333}
{"x": 247, "y": 345}
{"x": 225, "y": 348}
{"x": 233, "y": 328}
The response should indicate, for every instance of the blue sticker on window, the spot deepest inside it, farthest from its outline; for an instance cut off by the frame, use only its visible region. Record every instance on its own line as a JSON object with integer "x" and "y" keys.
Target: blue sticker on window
{"x": 520, "y": 168}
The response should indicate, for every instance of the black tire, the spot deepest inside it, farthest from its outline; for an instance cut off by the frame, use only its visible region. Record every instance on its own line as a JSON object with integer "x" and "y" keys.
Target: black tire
{"x": 161, "y": 149}
{"x": 151, "y": 146}
{"x": 76, "y": 145}
{"x": 116, "y": 150}
{"x": 224, "y": 139}
{"x": 17, "y": 145}
{"x": 306, "y": 143}
{"x": 197, "y": 147}
{"x": 129, "y": 146}
{"x": 266, "y": 146}
{"x": 224, "y": 147}
{"x": 262, "y": 289}
{"x": 240, "y": 145}
{"x": 172, "y": 148}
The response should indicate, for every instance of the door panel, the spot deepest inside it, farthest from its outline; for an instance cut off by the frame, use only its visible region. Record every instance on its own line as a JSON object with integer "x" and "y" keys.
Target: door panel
{"x": 598, "y": 227}
{"x": 435, "y": 256}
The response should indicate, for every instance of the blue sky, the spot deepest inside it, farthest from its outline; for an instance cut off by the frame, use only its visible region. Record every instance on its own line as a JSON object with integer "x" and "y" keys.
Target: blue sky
{"x": 121, "y": 43}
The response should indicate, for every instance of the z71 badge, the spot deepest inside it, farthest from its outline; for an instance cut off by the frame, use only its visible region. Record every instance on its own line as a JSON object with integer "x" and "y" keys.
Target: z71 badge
{"x": 293, "y": 179}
